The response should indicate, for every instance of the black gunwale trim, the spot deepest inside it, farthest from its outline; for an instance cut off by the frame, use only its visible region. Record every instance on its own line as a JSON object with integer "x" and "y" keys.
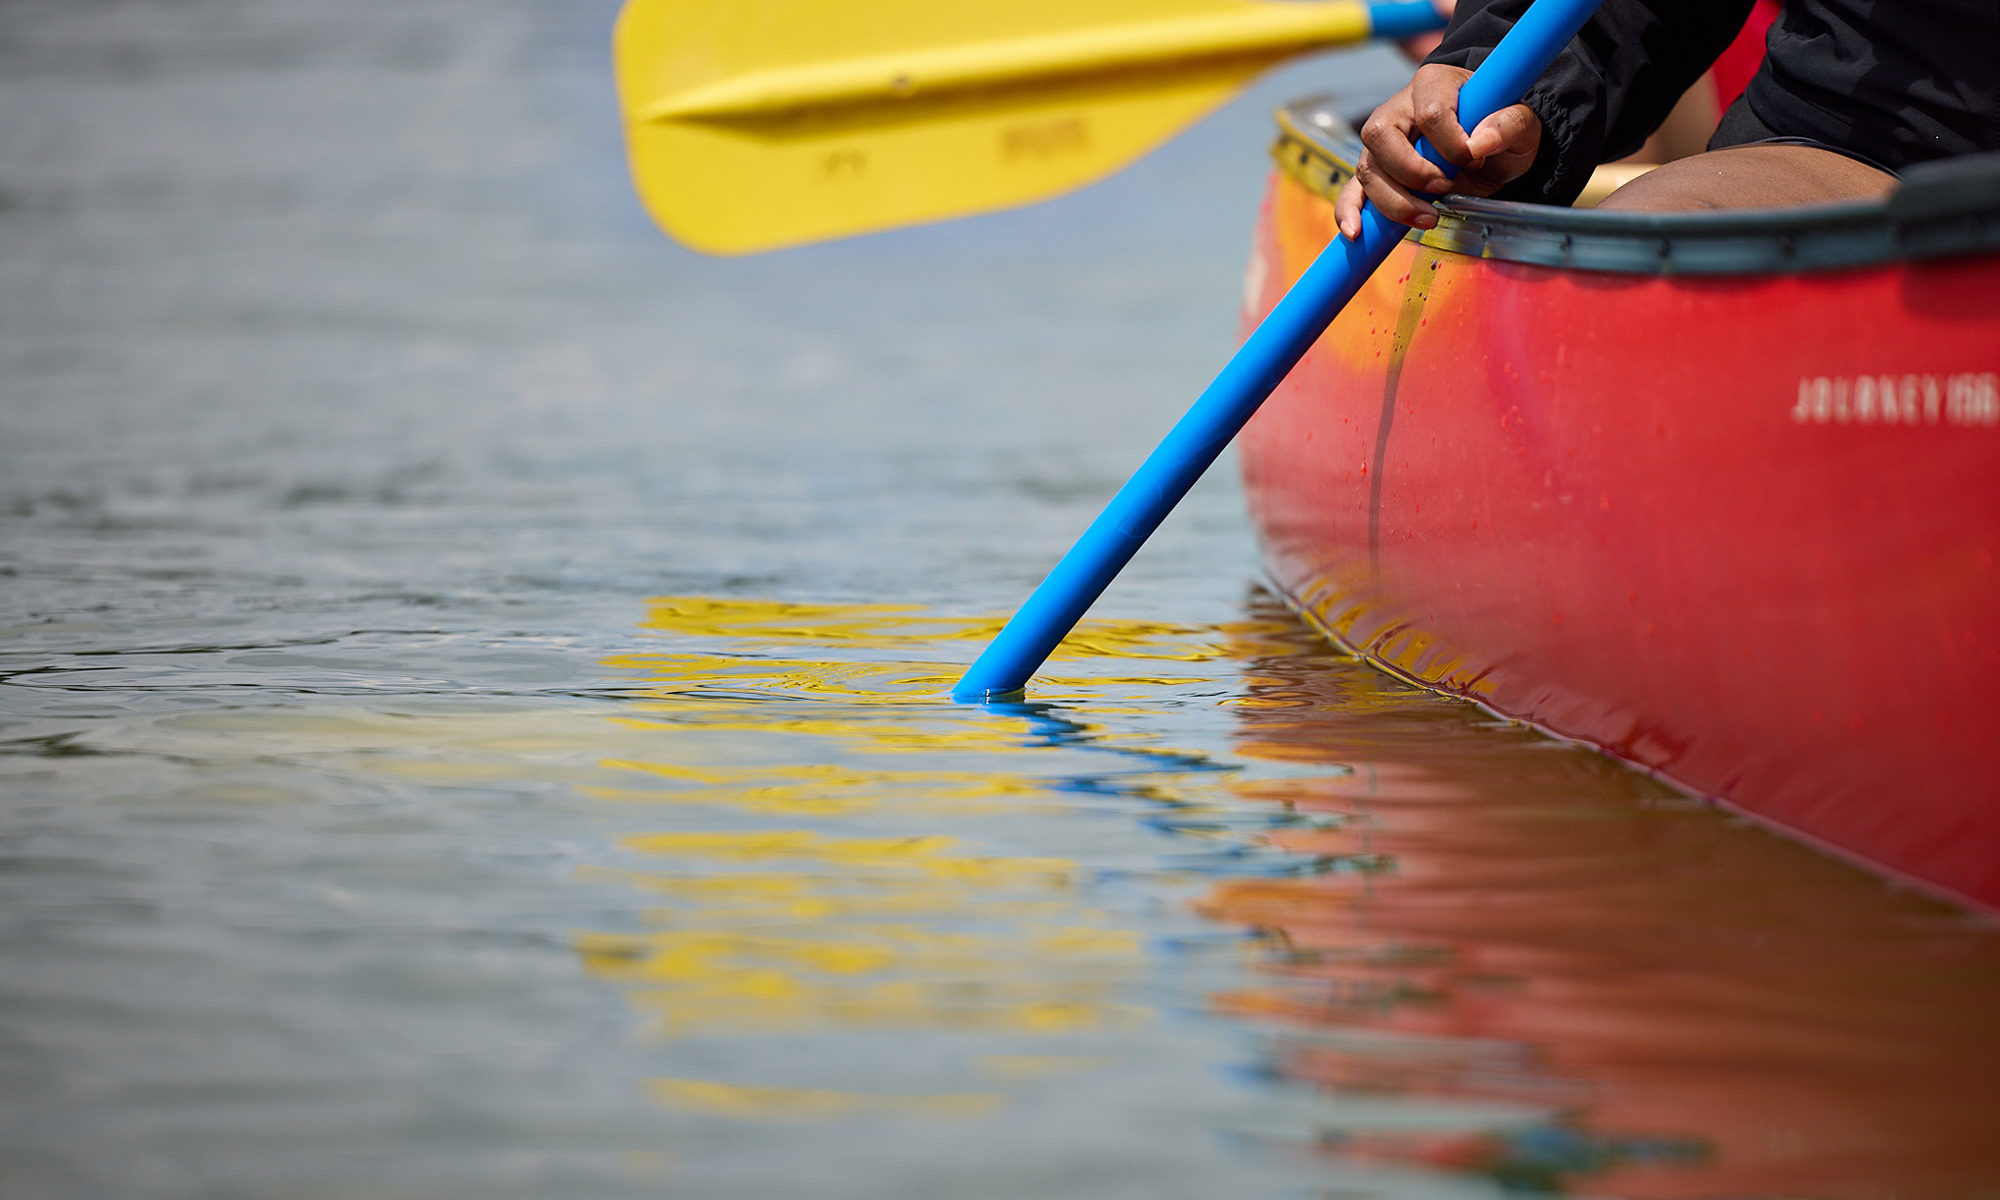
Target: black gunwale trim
{"x": 1942, "y": 209}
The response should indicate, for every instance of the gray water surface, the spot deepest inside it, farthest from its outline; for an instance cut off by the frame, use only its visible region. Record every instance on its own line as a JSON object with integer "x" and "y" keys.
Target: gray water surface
{"x": 469, "y": 717}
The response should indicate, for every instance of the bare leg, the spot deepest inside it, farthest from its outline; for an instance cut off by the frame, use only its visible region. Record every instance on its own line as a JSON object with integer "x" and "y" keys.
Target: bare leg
{"x": 1752, "y": 177}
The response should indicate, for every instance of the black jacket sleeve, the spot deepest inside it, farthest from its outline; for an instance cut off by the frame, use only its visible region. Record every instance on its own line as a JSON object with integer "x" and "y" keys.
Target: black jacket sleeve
{"x": 1610, "y": 88}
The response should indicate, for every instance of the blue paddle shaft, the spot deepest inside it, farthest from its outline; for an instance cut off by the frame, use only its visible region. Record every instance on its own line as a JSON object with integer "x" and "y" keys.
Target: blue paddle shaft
{"x": 1263, "y": 361}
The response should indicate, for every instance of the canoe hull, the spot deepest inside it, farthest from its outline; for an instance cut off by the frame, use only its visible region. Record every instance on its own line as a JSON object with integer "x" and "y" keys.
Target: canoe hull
{"x": 1741, "y": 531}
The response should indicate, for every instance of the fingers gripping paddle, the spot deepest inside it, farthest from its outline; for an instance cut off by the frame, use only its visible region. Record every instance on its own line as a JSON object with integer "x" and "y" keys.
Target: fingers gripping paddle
{"x": 1263, "y": 361}
{"x": 753, "y": 124}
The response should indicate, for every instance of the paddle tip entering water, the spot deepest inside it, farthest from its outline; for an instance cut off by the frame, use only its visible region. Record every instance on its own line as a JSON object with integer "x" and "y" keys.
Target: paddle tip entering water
{"x": 982, "y": 695}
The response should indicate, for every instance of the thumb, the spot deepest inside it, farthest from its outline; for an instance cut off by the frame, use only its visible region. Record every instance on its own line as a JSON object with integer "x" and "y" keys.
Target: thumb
{"x": 1512, "y": 128}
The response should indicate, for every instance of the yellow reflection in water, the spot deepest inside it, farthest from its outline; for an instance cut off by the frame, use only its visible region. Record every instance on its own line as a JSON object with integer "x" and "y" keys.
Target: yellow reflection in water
{"x": 749, "y": 972}
{"x": 764, "y": 1103}
{"x": 743, "y": 899}
{"x": 792, "y": 843}
{"x": 821, "y": 788}
{"x": 829, "y": 974}
{"x": 922, "y": 856}
{"x": 778, "y": 734}
{"x": 904, "y": 626}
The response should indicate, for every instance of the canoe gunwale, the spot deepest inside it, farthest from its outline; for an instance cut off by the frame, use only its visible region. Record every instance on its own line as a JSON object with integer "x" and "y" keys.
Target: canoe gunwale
{"x": 1940, "y": 210}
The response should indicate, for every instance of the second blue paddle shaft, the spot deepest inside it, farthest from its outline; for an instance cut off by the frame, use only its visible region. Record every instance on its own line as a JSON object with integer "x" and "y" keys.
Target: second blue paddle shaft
{"x": 1278, "y": 343}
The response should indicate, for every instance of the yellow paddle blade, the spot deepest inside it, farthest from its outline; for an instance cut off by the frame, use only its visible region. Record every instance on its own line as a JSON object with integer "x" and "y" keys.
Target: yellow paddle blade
{"x": 753, "y": 124}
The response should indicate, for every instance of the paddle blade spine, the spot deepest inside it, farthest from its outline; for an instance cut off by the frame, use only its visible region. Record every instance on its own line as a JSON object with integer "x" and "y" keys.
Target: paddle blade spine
{"x": 766, "y": 123}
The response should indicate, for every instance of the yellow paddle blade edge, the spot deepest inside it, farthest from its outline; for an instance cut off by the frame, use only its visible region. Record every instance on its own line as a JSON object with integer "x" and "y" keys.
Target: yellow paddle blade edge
{"x": 756, "y": 124}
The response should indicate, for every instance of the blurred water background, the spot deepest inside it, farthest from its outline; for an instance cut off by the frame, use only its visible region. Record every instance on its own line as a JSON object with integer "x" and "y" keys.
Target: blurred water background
{"x": 469, "y": 719}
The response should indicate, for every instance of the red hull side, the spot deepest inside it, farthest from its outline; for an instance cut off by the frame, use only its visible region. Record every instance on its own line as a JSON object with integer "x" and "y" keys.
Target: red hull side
{"x": 1668, "y": 517}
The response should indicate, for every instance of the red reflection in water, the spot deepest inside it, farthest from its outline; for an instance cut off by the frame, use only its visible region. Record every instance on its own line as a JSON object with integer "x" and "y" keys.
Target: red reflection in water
{"x": 1709, "y": 1009}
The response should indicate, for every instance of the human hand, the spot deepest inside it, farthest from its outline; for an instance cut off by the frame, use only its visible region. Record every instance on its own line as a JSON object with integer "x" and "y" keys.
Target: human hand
{"x": 1401, "y": 183}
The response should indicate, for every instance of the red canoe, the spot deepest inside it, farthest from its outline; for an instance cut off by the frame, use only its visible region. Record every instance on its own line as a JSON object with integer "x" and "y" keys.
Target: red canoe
{"x": 1718, "y": 493}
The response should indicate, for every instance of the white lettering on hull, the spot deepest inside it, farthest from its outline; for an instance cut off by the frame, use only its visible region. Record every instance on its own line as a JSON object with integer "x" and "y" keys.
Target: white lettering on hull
{"x": 1965, "y": 399}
